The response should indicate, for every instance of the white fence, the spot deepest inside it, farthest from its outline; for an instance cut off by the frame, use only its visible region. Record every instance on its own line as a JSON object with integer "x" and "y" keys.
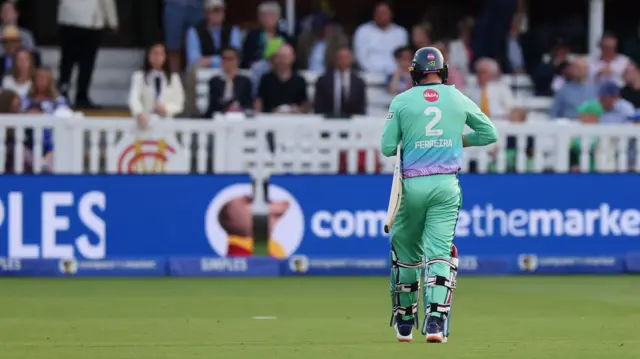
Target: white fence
{"x": 291, "y": 144}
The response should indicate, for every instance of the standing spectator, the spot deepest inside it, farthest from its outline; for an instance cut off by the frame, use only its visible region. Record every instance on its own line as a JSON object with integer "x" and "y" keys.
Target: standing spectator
{"x": 610, "y": 65}
{"x": 19, "y": 80}
{"x": 229, "y": 91}
{"x": 44, "y": 93}
{"x": 206, "y": 40}
{"x": 341, "y": 93}
{"x": 401, "y": 80}
{"x": 9, "y": 16}
{"x": 154, "y": 89}
{"x": 514, "y": 56}
{"x": 631, "y": 92}
{"x": 256, "y": 41}
{"x": 317, "y": 47}
{"x": 493, "y": 97}
{"x": 282, "y": 90}
{"x": 374, "y": 42}
{"x": 492, "y": 28}
{"x": 460, "y": 48}
{"x": 81, "y": 28}
{"x": 421, "y": 35}
{"x": 575, "y": 92}
{"x": 179, "y": 15}
{"x": 551, "y": 75}
{"x": 11, "y": 46}
{"x": 456, "y": 76}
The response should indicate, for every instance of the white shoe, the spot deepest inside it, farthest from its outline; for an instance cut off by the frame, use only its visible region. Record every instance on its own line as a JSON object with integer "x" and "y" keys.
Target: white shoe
{"x": 436, "y": 338}
{"x": 403, "y": 338}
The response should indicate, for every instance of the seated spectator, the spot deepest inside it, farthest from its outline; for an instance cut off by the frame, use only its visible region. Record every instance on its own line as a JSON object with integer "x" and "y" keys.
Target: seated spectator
{"x": 401, "y": 79}
{"x": 179, "y": 15}
{"x": 374, "y": 42}
{"x": 341, "y": 93}
{"x": 456, "y": 75}
{"x": 256, "y": 41}
{"x": 493, "y": 97}
{"x": 460, "y": 48}
{"x": 420, "y": 36}
{"x": 260, "y": 68}
{"x": 19, "y": 80}
{"x": 9, "y": 16}
{"x": 229, "y": 92}
{"x": 317, "y": 46}
{"x": 44, "y": 94}
{"x": 282, "y": 90}
{"x": 154, "y": 89}
{"x": 11, "y": 46}
{"x": 609, "y": 65}
{"x": 206, "y": 40}
{"x": 575, "y": 92}
{"x": 609, "y": 107}
{"x": 550, "y": 76}
{"x": 631, "y": 91}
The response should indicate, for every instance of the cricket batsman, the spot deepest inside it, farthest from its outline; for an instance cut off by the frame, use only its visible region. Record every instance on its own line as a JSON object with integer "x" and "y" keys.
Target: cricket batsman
{"x": 428, "y": 120}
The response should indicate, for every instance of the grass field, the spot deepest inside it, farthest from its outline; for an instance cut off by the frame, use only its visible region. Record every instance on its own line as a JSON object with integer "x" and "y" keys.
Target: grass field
{"x": 315, "y": 318}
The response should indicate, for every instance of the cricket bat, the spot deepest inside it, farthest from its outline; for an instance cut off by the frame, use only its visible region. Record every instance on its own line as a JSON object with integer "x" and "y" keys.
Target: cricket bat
{"x": 396, "y": 192}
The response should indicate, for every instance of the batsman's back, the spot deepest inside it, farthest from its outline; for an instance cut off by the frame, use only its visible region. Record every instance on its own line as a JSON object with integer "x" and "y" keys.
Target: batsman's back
{"x": 431, "y": 120}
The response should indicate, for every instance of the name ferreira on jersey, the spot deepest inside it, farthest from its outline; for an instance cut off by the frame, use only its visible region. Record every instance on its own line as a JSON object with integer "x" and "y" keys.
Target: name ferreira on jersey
{"x": 433, "y": 143}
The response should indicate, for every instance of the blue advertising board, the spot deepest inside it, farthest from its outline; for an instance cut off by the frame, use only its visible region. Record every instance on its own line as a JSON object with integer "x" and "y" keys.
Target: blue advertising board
{"x": 181, "y": 224}
{"x": 501, "y": 215}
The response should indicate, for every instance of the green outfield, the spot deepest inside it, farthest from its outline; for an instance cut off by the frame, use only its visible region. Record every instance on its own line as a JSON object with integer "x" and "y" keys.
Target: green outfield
{"x": 312, "y": 318}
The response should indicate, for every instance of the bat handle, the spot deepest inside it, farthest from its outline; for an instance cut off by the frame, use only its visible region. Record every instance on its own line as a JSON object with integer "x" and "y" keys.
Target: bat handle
{"x": 386, "y": 228}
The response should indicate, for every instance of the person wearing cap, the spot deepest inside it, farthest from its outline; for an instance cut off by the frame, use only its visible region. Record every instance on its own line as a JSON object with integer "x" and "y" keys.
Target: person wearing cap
{"x": 206, "y": 40}
{"x": 608, "y": 108}
{"x": 576, "y": 91}
{"x": 82, "y": 23}
{"x": 11, "y": 44}
{"x": 255, "y": 43}
{"x": 317, "y": 47}
{"x": 9, "y": 17}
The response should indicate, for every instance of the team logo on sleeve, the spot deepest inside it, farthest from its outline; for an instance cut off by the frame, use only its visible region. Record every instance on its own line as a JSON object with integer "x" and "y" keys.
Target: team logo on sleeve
{"x": 431, "y": 95}
{"x": 389, "y": 115}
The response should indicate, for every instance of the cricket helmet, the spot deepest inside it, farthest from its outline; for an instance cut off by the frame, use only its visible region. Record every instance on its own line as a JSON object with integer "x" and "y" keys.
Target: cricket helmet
{"x": 428, "y": 60}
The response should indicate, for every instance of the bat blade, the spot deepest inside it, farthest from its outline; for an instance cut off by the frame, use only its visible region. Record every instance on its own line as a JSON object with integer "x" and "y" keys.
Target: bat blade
{"x": 396, "y": 192}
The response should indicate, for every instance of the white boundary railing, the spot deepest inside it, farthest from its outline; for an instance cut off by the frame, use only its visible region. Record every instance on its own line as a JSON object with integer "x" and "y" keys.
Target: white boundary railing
{"x": 291, "y": 144}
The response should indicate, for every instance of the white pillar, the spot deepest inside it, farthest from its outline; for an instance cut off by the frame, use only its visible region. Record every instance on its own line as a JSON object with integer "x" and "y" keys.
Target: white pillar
{"x": 596, "y": 24}
{"x": 291, "y": 17}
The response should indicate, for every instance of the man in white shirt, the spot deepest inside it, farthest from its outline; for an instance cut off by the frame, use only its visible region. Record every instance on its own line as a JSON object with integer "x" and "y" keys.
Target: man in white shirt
{"x": 81, "y": 25}
{"x": 609, "y": 65}
{"x": 494, "y": 97}
{"x": 374, "y": 42}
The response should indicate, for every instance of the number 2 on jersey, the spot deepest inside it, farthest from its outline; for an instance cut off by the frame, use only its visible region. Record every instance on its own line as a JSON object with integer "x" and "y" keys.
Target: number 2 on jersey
{"x": 437, "y": 116}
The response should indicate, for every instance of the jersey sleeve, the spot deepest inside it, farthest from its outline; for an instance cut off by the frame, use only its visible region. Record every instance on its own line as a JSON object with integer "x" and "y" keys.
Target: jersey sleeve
{"x": 484, "y": 132}
{"x": 391, "y": 135}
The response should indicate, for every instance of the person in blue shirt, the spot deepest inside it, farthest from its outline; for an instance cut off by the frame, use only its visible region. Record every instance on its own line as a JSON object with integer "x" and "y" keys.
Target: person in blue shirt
{"x": 575, "y": 92}
{"x": 206, "y": 40}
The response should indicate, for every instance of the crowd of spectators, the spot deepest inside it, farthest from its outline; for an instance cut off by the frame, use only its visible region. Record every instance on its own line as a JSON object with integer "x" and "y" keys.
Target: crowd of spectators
{"x": 259, "y": 69}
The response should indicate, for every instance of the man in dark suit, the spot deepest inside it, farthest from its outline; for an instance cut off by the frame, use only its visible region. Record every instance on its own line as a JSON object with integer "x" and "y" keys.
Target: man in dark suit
{"x": 340, "y": 92}
{"x": 229, "y": 92}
